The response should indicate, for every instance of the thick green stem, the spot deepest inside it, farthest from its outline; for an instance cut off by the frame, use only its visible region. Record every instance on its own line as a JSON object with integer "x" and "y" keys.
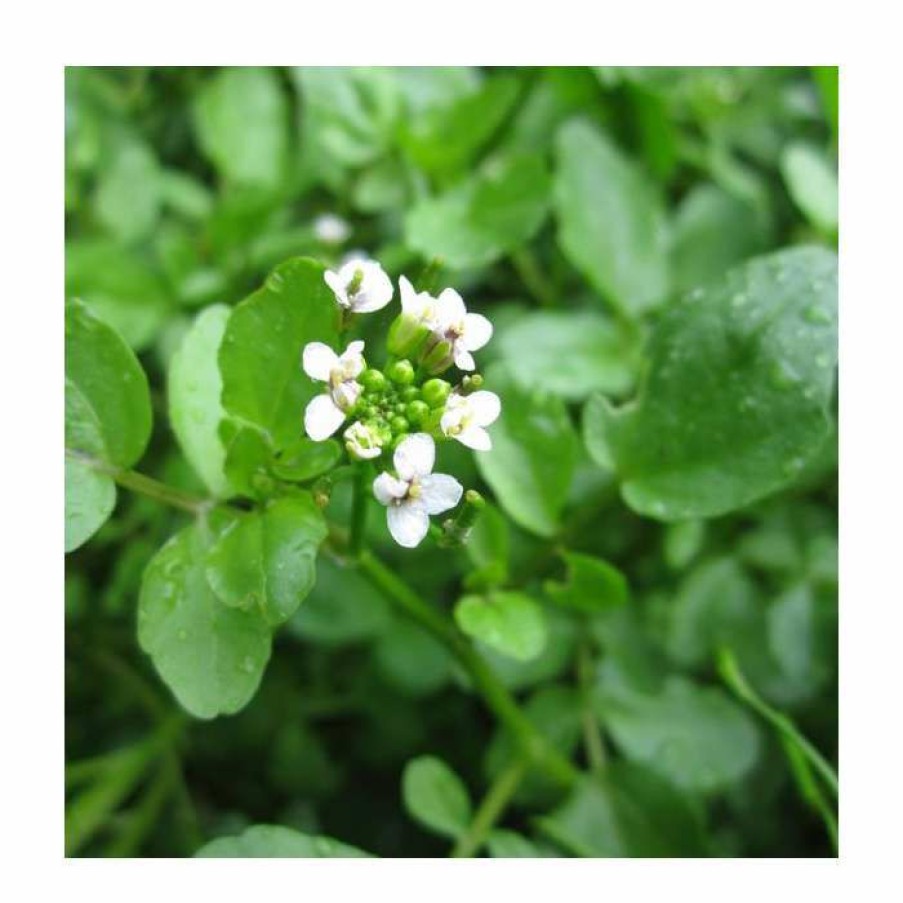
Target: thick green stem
{"x": 491, "y": 809}
{"x": 532, "y": 744}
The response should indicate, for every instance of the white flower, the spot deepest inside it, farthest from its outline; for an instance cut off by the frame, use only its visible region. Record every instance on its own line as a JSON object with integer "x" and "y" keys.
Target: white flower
{"x": 416, "y": 492}
{"x": 362, "y": 441}
{"x": 420, "y": 306}
{"x": 331, "y": 229}
{"x": 326, "y": 413}
{"x": 361, "y": 286}
{"x": 465, "y": 417}
{"x": 466, "y": 332}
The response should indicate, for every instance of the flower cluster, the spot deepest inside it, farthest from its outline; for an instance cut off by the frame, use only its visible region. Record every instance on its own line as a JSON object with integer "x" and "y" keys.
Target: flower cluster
{"x": 406, "y": 406}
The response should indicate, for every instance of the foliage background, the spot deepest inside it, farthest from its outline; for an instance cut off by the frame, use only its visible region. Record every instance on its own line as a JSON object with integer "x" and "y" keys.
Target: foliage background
{"x": 576, "y": 208}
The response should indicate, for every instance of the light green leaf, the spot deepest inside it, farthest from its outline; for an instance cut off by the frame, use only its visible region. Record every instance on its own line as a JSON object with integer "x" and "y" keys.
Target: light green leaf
{"x": 435, "y": 796}
{"x": 128, "y": 195}
{"x": 713, "y": 230}
{"x": 193, "y": 388}
{"x": 504, "y": 844}
{"x": 593, "y": 585}
{"x": 445, "y": 139}
{"x": 694, "y": 736}
{"x": 625, "y": 811}
{"x": 266, "y": 560}
{"x": 570, "y": 354}
{"x": 812, "y": 182}
{"x": 211, "y": 656}
{"x": 108, "y": 419}
{"x": 241, "y": 121}
{"x": 534, "y": 453}
{"x": 611, "y": 222}
{"x": 260, "y": 355}
{"x": 682, "y": 541}
{"x": 119, "y": 286}
{"x": 511, "y": 623}
{"x": 738, "y": 391}
{"x": 277, "y": 842}
{"x": 481, "y": 218}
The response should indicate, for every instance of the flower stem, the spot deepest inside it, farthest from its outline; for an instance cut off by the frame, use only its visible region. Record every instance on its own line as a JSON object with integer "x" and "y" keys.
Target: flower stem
{"x": 360, "y": 490}
{"x": 533, "y": 746}
{"x": 532, "y": 277}
{"x": 491, "y": 809}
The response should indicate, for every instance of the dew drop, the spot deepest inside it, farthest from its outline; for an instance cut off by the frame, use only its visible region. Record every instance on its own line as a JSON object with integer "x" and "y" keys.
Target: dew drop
{"x": 247, "y": 665}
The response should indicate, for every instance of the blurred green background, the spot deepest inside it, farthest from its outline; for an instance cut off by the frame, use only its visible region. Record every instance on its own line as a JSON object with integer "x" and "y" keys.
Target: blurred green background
{"x": 185, "y": 186}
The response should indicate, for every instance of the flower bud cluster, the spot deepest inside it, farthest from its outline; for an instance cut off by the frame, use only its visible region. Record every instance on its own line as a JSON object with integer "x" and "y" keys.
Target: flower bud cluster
{"x": 406, "y": 406}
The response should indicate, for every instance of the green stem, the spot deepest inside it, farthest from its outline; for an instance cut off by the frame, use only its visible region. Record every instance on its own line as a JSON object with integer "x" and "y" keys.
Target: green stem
{"x": 359, "y": 500}
{"x": 532, "y": 744}
{"x": 529, "y": 272}
{"x": 491, "y": 809}
{"x": 592, "y": 736}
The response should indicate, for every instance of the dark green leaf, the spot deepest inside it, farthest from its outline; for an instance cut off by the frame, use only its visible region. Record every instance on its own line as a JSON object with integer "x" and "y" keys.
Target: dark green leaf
{"x": 435, "y": 796}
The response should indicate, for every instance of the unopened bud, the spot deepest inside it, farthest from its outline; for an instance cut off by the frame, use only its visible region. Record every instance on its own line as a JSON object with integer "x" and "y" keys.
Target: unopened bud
{"x": 406, "y": 335}
{"x": 417, "y": 411}
{"x": 373, "y": 380}
{"x": 439, "y": 357}
{"x": 471, "y": 383}
{"x": 435, "y": 392}
{"x": 401, "y": 373}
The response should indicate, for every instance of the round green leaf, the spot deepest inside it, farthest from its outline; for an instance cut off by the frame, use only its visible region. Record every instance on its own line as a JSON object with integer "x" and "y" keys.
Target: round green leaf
{"x": 277, "y": 842}
{"x": 435, "y": 796}
{"x": 210, "y": 655}
{"x": 266, "y": 560}
{"x": 592, "y": 586}
{"x": 696, "y": 737}
{"x": 241, "y": 120}
{"x": 511, "y": 623}
{"x": 534, "y": 452}
{"x": 738, "y": 391}
{"x": 611, "y": 222}
{"x": 128, "y": 197}
{"x": 194, "y": 387}
{"x": 570, "y": 354}
{"x": 260, "y": 355}
{"x": 90, "y": 499}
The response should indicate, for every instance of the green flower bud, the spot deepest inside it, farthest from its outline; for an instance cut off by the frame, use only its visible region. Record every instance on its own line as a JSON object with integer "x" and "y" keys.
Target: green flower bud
{"x": 435, "y": 392}
{"x": 417, "y": 411}
{"x": 401, "y": 373}
{"x": 372, "y": 380}
{"x": 399, "y": 424}
{"x": 410, "y": 393}
{"x": 471, "y": 383}
{"x": 406, "y": 335}
{"x": 399, "y": 407}
{"x": 439, "y": 358}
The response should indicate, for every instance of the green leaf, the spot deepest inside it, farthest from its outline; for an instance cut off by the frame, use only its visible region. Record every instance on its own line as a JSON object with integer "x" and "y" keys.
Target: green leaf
{"x": 737, "y": 395}
{"x": 241, "y": 121}
{"x": 570, "y": 354}
{"x": 306, "y": 459}
{"x": 119, "y": 286}
{"x": 483, "y": 217}
{"x": 211, "y": 656}
{"x": 611, "y": 222}
{"x": 511, "y": 623}
{"x": 504, "y": 844}
{"x": 193, "y": 388}
{"x": 249, "y": 455}
{"x": 266, "y": 560}
{"x": 694, "y": 736}
{"x": 128, "y": 196}
{"x": 277, "y": 842}
{"x": 713, "y": 230}
{"x": 260, "y": 355}
{"x": 436, "y": 797}
{"x": 534, "y": 453}
{"x": 445, "y": 139}
{"x": 412, "y": 660}
{"x": 683, "y": 540}
{"x": 108, "y": 419}
{"x": 812, "y": 183}
{"x": 625, "y": 811}
{"x": 593, "y": 585}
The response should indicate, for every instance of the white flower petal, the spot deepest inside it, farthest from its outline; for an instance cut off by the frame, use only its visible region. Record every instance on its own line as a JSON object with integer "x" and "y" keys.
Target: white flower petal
{"x": 376, "y": 289}
{"x": 346, "y": 394}
{"x": 387, "y": 488}
{"x": 334, "y": 281}
{"x": 463, "y": 358}
{"x": 477, "y": 332}
{"x": 485, "y": 407}
{"x": 415, "y": 456}
{"x": 450, "y": 306}
{"x": 354, "y": 349}
{"x": 409, "y": 302}
{"x": 408, "y": 523}
{"x": 439, "y": 492}
{"x": 475, "y": 437}
{"x": 322, "y": 418}
{"x": 318, "y": 360}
